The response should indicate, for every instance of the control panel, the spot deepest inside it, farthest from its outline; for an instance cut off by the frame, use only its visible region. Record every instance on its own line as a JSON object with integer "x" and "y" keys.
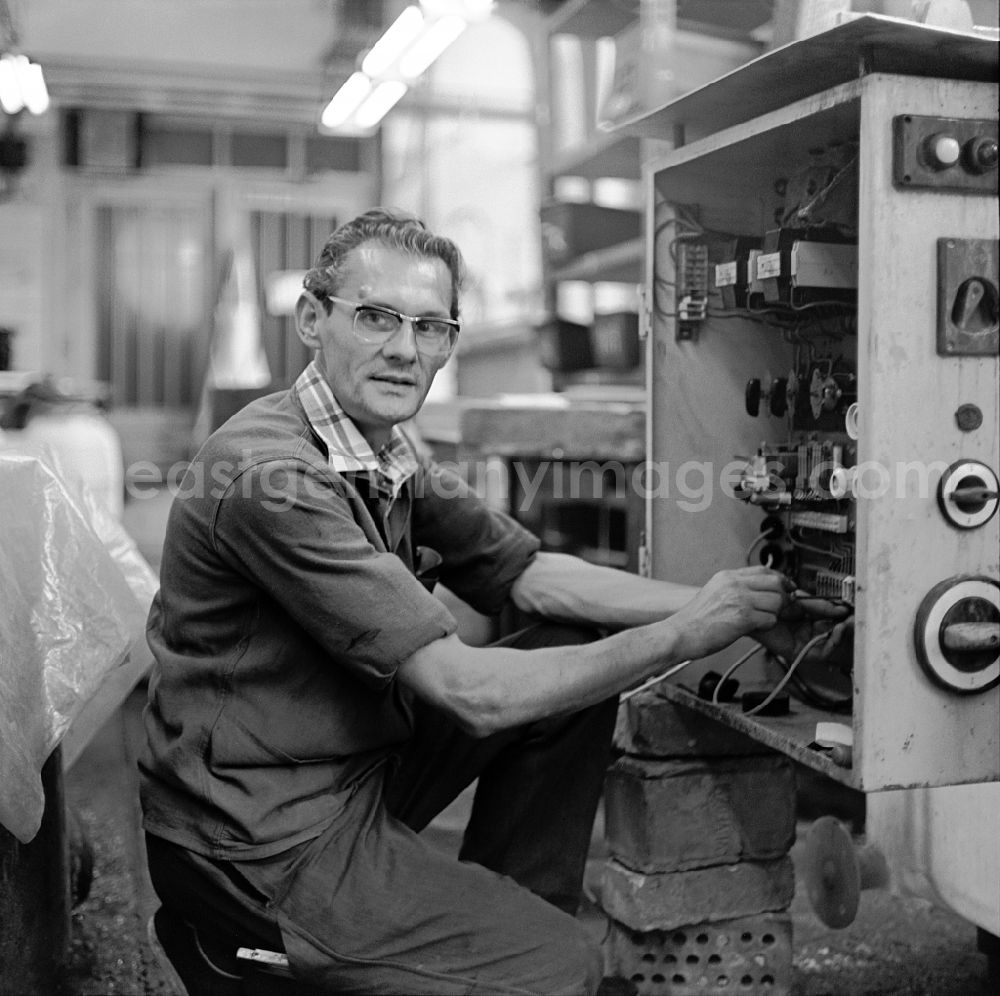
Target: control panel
{"x": 839, "y": 384}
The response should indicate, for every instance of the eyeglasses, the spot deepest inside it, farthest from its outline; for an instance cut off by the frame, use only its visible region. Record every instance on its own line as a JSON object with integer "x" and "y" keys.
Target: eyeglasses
{"x": 376, "y": 325}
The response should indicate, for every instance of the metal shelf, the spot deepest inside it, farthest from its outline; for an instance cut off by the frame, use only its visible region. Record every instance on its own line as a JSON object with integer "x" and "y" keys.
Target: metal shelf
{"x": 789, "y": 734}
{"x": 803, "y": 68}
{"x": 605, "y": 155}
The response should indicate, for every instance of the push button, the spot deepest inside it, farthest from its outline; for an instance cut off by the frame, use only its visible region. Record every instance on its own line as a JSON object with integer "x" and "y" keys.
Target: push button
{"x": 941, "y": 150}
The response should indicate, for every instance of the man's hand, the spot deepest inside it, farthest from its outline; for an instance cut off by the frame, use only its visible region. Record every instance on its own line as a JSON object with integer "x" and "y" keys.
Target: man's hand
{"x": 732, "y": 604}
{"x": 803, "y": 618}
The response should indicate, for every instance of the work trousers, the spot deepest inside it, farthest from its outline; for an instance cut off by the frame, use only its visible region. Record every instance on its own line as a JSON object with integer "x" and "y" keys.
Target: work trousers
{"x": 370, "y": 906}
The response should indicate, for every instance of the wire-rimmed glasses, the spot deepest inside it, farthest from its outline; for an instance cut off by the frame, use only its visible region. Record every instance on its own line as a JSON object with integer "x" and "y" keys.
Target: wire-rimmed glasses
{"x": 376, "y": 324}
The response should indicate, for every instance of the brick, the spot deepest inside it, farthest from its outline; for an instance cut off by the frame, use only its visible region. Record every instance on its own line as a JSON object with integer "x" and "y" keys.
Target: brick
{"x": 652, "y": 726}
{"x": 663, "y": 901}
{"x": 744, "y": 955}
{"x": 663, "y": 816}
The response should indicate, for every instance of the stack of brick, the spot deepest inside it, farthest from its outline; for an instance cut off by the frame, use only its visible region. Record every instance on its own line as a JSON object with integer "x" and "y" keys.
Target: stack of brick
{"x": 699, "y": 823}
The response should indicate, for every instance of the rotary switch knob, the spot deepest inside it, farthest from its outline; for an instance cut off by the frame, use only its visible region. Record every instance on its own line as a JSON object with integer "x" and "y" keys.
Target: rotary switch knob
{"x": 969, "y": 494}
{"x": 956, "y": 634}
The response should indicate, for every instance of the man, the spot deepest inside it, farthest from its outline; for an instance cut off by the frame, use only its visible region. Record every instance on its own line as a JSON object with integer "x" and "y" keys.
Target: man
{"x": 312, "y": 707}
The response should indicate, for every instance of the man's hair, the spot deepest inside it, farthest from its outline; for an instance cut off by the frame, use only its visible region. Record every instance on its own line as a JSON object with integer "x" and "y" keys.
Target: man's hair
{"x": 394, "y": 229}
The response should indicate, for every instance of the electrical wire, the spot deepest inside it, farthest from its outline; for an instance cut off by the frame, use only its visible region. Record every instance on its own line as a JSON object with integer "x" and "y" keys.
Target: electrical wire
{"x": 827, "y": 702}
{"x": 691, "y": 228}
{"x": 687, "y": 230}
{"x": 732, "y": 670}
{"x": 800, "y": 212}
{"x": 747, "y": 316}
{"x": 655, "y": 680}
{"x": 799, "y": 545}
{"x": 821, "y": 700}
{"x": 762, "y": 538}
{"x": 689, "y": 236}
{"x": 809, "y": 305}
{"x": 773, "y": 694}
{"x": 804, "y": 688}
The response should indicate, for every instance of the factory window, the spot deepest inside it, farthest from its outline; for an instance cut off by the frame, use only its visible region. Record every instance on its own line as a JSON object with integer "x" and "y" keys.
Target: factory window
{"x": 251, "y": 150}
{"x": 341, "y": 154}
{"x": 98, "y": 140}
{"x": 167, "y": 146}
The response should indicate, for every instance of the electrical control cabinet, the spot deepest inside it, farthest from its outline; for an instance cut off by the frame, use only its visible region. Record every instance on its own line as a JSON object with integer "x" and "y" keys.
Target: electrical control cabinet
{"x": 822, "y": 310}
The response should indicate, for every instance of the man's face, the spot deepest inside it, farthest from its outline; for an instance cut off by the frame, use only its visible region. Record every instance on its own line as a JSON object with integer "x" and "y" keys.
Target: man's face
{"x": 378, "y": 385}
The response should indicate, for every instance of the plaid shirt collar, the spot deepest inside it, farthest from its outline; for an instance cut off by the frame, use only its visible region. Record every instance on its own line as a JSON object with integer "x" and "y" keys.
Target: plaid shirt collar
{"x": 348, "y": 450}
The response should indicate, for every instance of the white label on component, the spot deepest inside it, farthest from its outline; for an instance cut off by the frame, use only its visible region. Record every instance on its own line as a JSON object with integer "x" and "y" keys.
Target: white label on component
{"x": 725, "y": 274}
{"x": 768, "y": 265}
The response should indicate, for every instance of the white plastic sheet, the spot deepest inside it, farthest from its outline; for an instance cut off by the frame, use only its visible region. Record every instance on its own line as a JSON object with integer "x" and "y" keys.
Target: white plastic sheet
{"x": 74, "y": 593}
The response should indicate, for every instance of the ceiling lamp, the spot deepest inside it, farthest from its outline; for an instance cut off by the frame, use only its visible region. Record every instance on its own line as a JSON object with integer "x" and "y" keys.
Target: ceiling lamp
{"x": 404, "y": 52}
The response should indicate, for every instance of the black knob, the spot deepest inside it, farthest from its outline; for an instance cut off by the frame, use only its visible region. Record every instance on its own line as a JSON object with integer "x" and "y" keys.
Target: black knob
{"x": 981, "y": 154}
{"x": 969, "y": 417}
{"x": 752, "y": 399}
{"x": 709, "y": 682}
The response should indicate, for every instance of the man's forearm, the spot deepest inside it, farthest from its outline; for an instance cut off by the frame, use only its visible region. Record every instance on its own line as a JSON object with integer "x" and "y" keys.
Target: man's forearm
{"x": 486, "y": 689}
{"x": 490, "y": 688}
{"x": 560, "y": 587}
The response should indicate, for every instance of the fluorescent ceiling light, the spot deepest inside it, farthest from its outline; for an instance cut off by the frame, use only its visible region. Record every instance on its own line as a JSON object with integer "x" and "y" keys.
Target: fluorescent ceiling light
{"x": 346, "y": 100}
{"x": 10, "y": 89}
{"x": 22, "y": 85}
{"x": 396, "y": 40}
{"x": 381, "y": 100}
{"x": 430, "y": 45}
{"x": 410, "y": 44}
{"x": 33, "y": 89}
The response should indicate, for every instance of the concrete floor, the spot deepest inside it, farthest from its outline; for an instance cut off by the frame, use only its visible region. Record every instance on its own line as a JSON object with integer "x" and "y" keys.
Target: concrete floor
{"x": 895, "y": 946}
